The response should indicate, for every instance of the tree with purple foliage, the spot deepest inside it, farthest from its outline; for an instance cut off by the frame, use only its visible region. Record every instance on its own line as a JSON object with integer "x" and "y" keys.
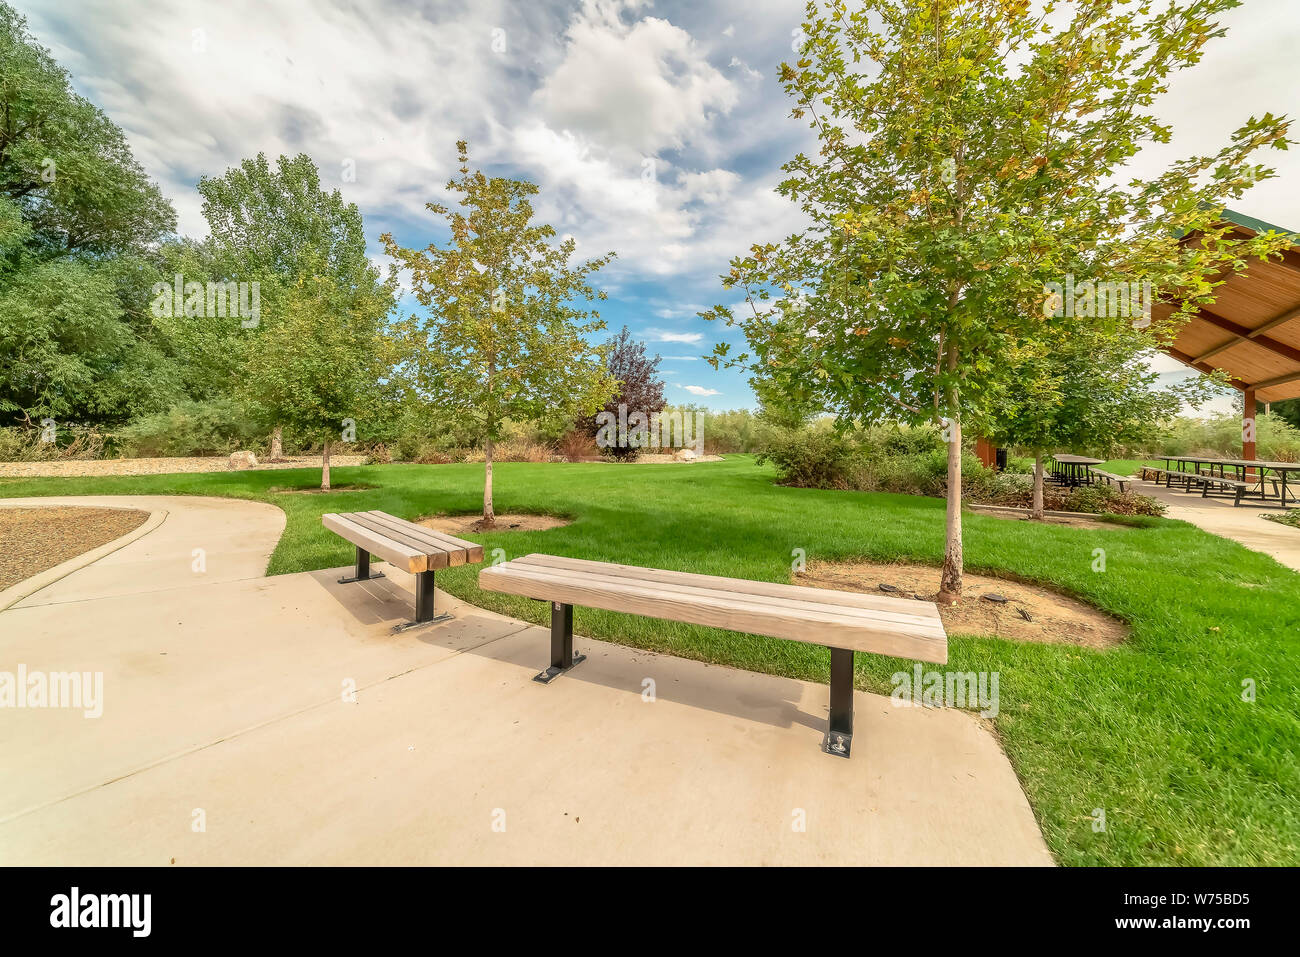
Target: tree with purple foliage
{"x": 640, "y": 392}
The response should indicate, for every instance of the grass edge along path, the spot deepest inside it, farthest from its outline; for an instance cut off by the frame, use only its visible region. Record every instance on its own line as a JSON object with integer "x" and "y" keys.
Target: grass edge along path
{"x": 1157, "y": 733}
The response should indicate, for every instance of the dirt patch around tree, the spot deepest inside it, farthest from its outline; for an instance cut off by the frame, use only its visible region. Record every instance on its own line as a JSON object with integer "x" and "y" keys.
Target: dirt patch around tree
{"x": 1029, "y": 613}
{"x": 36, "y": 538}
{"x": 512, "y": 522}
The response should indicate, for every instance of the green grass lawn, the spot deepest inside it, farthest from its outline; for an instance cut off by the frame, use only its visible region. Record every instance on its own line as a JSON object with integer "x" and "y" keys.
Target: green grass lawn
{"x": 1155, "y": 731}
{"x": 1129, "y": 466}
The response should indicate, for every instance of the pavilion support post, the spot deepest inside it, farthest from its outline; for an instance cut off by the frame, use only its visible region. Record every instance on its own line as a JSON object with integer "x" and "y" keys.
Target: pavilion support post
{"x": 1248, "y": 432}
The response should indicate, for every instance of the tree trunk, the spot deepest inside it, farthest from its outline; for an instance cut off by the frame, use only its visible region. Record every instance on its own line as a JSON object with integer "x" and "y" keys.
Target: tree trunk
{"x": 277, "y": 443}
{"x": 325, "y": 468}
{"x": 1036, "y": 513}
{"x": 951, "y": 578}
{"x": 489, "y": 514}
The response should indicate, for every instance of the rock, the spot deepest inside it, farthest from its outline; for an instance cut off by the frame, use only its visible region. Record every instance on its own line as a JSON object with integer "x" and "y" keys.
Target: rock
{"x": 994, "y": 597}
{"x": 888, "y": 588}
{"x": 242, "y": 460}
{"x": 686, "y": 455}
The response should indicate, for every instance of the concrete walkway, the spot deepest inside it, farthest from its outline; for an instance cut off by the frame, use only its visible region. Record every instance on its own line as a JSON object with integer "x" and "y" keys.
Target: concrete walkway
{"x": 1242, "y": 523}
{"x": 253, "y": 720}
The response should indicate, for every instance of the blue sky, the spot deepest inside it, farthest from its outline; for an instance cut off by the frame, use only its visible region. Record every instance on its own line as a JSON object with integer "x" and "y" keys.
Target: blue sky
{"x": 654, "y": 130}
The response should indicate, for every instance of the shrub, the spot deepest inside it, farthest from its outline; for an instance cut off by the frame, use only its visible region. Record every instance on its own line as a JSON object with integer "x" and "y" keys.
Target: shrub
{"x": 193, "y": 429}
{"x": 576, "y": 445}
{"x": 71, "y": 442}
{"x": 813, "y": 457}
{"x": 377, "y": 454}
{"x": 915, "y": 462}
{"x": 513, "y": 450}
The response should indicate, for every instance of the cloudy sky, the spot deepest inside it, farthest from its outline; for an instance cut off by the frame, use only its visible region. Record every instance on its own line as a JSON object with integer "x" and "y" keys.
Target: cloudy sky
{"x": 654, "y": 130}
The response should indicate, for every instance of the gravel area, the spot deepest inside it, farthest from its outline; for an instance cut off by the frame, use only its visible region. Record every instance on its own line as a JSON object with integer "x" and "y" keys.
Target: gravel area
{"x": 74, "y": 467}
{"x": 34, "y": 539}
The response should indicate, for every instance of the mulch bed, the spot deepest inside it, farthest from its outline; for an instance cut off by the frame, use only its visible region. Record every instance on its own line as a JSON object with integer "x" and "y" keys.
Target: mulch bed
{"x": 1013, "y": 610}
{"x": 34, "y": 539}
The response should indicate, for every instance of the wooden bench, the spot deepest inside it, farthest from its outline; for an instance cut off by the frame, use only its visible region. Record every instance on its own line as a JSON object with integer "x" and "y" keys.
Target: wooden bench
{"x": 405, "y": 545}
{"x": 1111, "y": 478}
{"x": 844, "y": 622}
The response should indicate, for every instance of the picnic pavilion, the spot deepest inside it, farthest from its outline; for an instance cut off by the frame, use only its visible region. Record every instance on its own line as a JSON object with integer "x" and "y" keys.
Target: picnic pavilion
{"x": 1251, "y": 332}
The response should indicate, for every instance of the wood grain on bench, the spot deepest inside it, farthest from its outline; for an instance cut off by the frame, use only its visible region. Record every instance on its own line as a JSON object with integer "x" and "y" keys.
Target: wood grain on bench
{"x": 899, "y": 627}
{"x": 401, "y": 543}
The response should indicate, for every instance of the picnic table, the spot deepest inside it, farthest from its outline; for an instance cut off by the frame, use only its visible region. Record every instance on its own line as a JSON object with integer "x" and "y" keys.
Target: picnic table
{"x": 1073, "y": 470}
{"x": 1215, "y": 468}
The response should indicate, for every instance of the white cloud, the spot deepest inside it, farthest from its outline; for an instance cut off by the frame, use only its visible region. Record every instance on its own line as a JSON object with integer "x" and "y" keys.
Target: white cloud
{"x": 646, "y": 86}
{"x": 667, "y": 335}
{"x": 698, "y": 390}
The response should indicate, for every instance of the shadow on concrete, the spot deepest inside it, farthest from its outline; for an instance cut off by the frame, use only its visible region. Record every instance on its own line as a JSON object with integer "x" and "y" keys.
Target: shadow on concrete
{"x": 390, "y": 601}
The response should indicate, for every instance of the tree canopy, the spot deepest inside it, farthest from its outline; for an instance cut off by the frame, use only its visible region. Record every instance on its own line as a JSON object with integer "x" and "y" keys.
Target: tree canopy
{"x": 971, "y": 153}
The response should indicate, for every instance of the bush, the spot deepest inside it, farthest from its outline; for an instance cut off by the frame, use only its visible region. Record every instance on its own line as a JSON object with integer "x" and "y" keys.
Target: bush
{"x": 813, "y": 457}
{"x": 193, "y": 429}
{"x": 71, "y": 442}
{"x": 914, "y": 461}
{"x": 513, "y": 450}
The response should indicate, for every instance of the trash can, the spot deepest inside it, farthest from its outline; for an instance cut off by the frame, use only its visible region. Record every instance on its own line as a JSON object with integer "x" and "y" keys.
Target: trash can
{"x": 1001, "y": 464}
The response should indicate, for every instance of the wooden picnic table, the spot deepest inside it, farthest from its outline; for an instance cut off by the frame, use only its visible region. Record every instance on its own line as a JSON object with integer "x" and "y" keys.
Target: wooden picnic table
{"x": 1072, "y": 470}
{"x": 1240, "y": 466}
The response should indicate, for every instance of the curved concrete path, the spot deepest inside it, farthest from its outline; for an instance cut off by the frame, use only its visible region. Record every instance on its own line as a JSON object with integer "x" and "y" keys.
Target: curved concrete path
{"x": 253, "y": 720}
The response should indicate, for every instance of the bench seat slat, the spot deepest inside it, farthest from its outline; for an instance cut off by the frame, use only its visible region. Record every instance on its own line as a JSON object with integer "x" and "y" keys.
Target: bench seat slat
{"x": 473, "y": 552}
{"x": 436, "y": 556}
{"x": 905, "y": 612}
{"x": 394, "y": 552}
{"x": 838, "y": 626}
{"x": 440, "y": 554}
{"x": 736, "y": 585}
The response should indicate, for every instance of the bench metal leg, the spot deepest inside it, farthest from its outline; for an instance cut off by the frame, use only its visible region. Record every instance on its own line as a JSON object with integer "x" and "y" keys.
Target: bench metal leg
{"x": 839, "y": 730}
{"x": 362, "y": 572}
{"x": 562, "y": 656}
{"x": 424, "y": 613}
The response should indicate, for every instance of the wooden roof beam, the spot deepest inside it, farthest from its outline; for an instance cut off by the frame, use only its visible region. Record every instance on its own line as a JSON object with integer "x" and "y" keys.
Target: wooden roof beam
{"x": 1279, "y": 380}
{"x": 1187, "y": 360}
{"x": 1243, "y": 334}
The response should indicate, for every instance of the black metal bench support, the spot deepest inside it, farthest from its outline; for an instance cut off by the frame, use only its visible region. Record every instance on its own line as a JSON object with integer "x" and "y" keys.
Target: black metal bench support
{"x": 363, "y": 572}
{"x": 424, "y": 612}
{"x": 562, "y": 656}
{"x": 839, "y": 729}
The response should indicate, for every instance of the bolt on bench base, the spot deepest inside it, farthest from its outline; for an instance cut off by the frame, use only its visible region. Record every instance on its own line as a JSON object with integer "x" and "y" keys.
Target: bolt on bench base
{"x": 424, "y": 614}
{"x": 562, "y": 656}
{"x": 362, "y": 572}
{"x": 839, "y": 730}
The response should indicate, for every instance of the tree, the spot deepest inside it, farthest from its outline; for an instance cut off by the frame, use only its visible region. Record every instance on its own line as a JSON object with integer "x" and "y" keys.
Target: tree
{"x": 1091, "y": 390}
{"x": 319, "y": 367}
{"x": 976, "y": 162}
{"x": 503, "y": 337}
{"x": 78, "y": 218}
{"x": 275, "y": 226}
{"x": 1288, "y": 410}
{"x": 638, "y": 388}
